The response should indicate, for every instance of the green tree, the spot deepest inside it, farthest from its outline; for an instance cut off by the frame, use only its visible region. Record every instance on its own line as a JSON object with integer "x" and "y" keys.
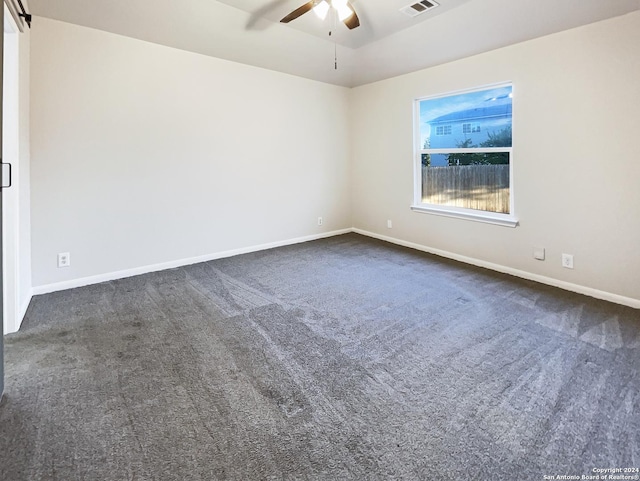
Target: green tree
{"x": 502, "y": 138}
{"x": 466, "y": 158}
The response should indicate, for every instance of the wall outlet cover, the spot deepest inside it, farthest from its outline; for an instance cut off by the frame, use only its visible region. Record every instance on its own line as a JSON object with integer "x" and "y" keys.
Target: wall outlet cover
{"x": 64, "y": 259}
{"x": 567, "y": 261}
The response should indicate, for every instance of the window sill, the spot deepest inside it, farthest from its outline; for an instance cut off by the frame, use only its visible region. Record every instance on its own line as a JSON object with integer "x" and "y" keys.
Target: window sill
{"x": 504, "y": 220}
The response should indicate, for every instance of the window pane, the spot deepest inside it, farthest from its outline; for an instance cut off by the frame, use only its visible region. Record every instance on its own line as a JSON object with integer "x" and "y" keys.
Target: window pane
{"x": 475, "y": 119}
{"x": 473, "y": 181}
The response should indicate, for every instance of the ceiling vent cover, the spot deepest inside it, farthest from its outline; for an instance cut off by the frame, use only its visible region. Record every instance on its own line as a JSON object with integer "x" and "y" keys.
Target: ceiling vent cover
{"x": 416, "y": 9}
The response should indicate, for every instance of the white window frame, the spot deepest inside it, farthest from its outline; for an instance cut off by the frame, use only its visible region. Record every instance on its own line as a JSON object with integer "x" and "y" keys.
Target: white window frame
{"x": 507, "y": 220}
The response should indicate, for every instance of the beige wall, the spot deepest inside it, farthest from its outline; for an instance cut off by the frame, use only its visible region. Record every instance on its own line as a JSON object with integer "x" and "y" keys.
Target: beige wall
{"x": 143, "y": 154}
{"x": 576, "y": 166}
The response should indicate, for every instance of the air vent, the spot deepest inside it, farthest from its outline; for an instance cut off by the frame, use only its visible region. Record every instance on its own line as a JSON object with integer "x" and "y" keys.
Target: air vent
{"x": 416, "y": 9}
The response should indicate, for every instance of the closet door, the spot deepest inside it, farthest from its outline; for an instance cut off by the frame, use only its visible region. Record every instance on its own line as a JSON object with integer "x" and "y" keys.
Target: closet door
{"x": 3, "y": 183}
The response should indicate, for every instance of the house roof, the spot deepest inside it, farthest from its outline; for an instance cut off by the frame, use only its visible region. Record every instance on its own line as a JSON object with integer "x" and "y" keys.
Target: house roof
{"x": 477, "y": 113}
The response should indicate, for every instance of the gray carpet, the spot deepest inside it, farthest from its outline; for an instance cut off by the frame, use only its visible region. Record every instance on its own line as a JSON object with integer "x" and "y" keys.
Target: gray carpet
{"x": 345, "y": 358}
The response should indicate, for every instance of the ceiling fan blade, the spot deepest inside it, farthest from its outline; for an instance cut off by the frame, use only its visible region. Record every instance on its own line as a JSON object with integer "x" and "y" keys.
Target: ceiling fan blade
{"x": 297, "y": 12}
{"x": 352, "y": 21}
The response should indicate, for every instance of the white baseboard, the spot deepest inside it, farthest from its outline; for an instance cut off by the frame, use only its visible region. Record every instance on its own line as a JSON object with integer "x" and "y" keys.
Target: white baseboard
{"x": 588, "y": 291}
{"x": 13, "y": 325}
{"x": 110, "y": 276}
{"x": 136, "y": 271}
{"x": 23, "y": 308}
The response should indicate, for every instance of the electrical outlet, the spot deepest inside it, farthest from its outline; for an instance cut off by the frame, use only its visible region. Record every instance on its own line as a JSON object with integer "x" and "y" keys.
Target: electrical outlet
{"x": 319, "y": 220}
{"x": 389, "y": 224}
{"x": 567, "y": 261}
{"x": 64, "y": 259}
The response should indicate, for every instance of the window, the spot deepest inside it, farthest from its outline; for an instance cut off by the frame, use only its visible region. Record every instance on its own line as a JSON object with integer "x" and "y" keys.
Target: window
{"x": 470, "y": 128}
{"x": 465, "y": 169}
{"x": 443, "y": 130}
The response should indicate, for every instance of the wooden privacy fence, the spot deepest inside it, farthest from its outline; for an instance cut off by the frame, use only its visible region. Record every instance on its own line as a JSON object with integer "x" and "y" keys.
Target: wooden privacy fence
{"x": 480, "y": 187}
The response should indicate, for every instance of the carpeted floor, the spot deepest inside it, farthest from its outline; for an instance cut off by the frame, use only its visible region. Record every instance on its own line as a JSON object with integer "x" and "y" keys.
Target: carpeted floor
{"x": 345, "y": 358}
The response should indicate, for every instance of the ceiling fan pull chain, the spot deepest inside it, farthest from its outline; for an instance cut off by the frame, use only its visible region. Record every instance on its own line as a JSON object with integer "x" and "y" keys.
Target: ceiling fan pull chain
{"x": 335, "y": 44}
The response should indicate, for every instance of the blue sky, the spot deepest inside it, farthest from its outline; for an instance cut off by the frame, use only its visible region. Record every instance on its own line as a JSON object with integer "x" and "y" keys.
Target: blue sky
{"x": 433, "y": 108}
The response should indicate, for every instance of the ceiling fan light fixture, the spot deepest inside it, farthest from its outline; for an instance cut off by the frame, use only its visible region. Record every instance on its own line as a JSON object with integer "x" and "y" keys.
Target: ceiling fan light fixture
{"x": 321, "y": 9}
{"x": 344, "y": 11}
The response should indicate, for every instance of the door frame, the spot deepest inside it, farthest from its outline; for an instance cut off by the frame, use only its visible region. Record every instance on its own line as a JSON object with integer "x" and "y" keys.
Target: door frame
{"x": 11, "y": 154}
{"x": 1, "y": 246}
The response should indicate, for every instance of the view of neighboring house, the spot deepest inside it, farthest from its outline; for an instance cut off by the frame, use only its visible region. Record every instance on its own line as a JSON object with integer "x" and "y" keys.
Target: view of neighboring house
{"x": 468, "y": 127}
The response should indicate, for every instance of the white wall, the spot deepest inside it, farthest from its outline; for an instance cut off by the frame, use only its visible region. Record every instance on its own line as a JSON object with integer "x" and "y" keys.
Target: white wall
{"x": 576, "y": 164}
{"x": 143, "y": 154}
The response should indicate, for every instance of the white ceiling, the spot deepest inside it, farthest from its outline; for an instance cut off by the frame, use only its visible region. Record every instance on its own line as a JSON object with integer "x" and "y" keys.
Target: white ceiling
{"x": 378, "y": 18}
{"x": 386, "y": 44}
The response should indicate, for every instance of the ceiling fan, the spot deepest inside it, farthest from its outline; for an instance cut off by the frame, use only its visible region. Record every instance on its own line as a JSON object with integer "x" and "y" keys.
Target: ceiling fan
{"x": 344, "y": 9}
